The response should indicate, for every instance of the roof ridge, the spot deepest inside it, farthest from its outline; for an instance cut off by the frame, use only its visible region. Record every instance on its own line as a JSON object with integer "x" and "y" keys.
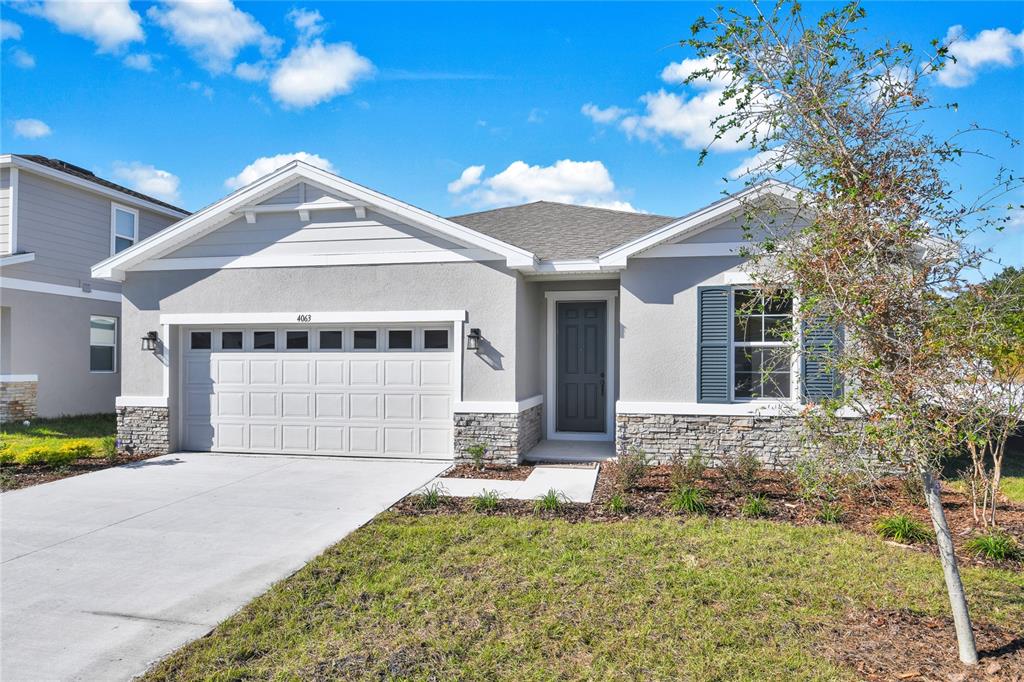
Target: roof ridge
{"x": 562, "y": 203}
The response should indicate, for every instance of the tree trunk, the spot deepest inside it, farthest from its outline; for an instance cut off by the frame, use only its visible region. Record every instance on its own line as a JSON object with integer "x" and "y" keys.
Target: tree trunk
{"x": 997, "y": 472}
{"x": 954, "y": 586}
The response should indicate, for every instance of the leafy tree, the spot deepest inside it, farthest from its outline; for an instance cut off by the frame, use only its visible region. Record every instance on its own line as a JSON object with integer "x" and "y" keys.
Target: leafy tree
{"x": 871, "y": 236}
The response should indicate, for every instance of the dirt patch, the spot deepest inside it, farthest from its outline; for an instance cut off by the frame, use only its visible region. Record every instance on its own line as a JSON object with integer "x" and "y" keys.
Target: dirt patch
{"x": 861, "y": 508}
{"x": 489, "y": 472}
{"x": 901, "y": 645}
{"x": 15, "y": 476}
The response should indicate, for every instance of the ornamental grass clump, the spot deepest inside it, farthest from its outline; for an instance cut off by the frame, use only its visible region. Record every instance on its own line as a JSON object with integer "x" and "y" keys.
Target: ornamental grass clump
{"x": 756, "y": 506}
{"x": 903, "y": 529}
{"x": 432, "y": 497}
{"x": 688, "y": 499}
{"x": 552, "y": 502}
{"x": 486, "y": 501}
{"x": 995, "y": 545}
{"x": 618, "y": 503}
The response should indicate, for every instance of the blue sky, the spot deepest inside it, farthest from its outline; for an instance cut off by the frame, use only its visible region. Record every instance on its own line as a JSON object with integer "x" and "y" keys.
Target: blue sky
{"x": 178, "y": 100}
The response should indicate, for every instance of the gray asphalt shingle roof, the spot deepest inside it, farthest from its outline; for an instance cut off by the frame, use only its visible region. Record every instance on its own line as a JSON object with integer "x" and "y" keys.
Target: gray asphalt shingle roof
{"x": 554, "y": 231}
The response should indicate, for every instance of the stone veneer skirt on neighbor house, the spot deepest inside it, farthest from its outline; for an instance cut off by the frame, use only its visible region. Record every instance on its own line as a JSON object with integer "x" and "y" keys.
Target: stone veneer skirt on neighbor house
{"x": 18, "y": 400}
{"x": 776, "y": 441}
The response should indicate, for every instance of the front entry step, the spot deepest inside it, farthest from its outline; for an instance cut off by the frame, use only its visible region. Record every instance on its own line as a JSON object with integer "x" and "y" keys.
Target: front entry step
{"x": 569, "y": 451}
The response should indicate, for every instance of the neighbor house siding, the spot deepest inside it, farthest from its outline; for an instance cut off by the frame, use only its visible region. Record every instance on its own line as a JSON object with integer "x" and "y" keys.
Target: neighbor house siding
{"x": 5, "y": 210}
{"x": 69, "y": 231}
{"x": 487, "y": 293}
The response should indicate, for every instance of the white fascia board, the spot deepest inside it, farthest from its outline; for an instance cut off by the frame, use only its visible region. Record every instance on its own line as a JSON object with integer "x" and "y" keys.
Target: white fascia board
{"x": 16, "y": 258}
{"x": 315, "y": 318}
{"x": 223, "y": 211}
{"x": 694, "y": 250}
{"x": 567, "y": 266}
{"x": 694, "y": 222}
{"x": 10, "y": 160}
{"x": 314, "y": 260}
{"x": 57, "y": 289}
{"x": 141, "y": 401}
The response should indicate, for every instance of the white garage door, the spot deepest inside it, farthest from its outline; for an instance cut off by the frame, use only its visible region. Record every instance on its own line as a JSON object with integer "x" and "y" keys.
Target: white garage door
{"x": 360, "y": 391}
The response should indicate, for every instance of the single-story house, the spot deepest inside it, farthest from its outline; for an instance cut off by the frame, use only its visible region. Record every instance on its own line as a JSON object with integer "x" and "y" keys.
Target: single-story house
{"x": 307, "y": 314}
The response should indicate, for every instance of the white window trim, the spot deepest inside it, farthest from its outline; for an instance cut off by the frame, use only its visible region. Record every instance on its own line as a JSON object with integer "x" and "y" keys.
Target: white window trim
{"x": 117, "y": 337}
{"x": 553, "y": 298}
{"x": 795, "y": 386}
{"x": 114, "y": 208}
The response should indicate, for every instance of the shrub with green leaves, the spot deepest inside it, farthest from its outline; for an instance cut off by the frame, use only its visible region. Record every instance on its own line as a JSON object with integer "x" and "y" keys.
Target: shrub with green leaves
{"x": 995, "y": 545}
{"x": 830, "y": 512}
{"x": 552, "y": 501}
{"x": 476, "y": 452}
{"x": 48, "y": 455}
{"x": 740, "y": 471}
{"x": 632, "y": 467}
{"x": 903, "y": 529}
{"x": 108, "y": 448}
{"x": 432, "y": 497}
{"x": 486, "y": 501}
{"x": 687, "y": 471}
{"x": 756, "y": 506}
{"x": 688, "y": 499}
{"x": 618, "y": 503}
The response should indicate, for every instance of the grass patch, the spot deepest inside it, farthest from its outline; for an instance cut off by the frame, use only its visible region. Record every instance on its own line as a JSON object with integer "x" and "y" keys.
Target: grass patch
{"x": 88, "y": 436}
{"x": 491, "y": 597}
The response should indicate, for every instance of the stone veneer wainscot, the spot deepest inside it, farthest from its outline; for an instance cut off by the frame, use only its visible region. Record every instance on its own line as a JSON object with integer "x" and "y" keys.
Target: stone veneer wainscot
{"x": 508, "y": 436}
{"x": 18, "y": 400}
{"x": 143, "y": 430}
{"x": 776, "y": 441}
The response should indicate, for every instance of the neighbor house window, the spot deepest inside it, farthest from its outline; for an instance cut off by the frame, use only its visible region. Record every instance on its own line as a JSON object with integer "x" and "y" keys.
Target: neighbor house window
{"x": 102, "y": 343}
{"x": 124, "y": 227}
{"x": 762, "y": 333}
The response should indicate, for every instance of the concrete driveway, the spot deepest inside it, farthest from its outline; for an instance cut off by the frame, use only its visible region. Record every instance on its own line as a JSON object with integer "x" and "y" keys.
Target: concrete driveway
{"x": 104, "y": 573}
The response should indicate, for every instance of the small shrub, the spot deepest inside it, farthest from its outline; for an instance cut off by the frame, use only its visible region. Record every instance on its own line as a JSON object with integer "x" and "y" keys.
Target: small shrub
{"x": 486, "y": 501}
{"x": 632, "y": 467}
{"x": 618, "y": 503}
{"x": 108, "y": 448}
{"x": 995, "y": 545}
{"x": 48, "y": 455}
{"x": 687, "y": 471}
{"x": 476, "y": 452}
{"x": 740, "y": 471}
{"x": 77, "y": 449}
{"x": 755, "y": 507}
{"x": 913, "y": 488}
{"x": 688, "y": 499}
{"x": 551, "y": 501}
{"x": 6, "y": 454}
{"x": 432, "y": 497}
{"x": 830, "y": 512}
{"x": 903, "y": 529}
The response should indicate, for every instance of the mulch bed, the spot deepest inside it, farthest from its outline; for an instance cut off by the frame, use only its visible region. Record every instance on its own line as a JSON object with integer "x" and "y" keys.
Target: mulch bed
{"x": 880, "y": 645}
{"x": 861, "y": 508}
{"x": 490, "y": 472}
{"x": 15, "y": 476}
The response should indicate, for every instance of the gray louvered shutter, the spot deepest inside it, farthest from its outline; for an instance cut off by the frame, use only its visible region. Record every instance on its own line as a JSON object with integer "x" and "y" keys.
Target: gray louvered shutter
{"x": 714, "y": 362}
{"x": 820, "y": 341}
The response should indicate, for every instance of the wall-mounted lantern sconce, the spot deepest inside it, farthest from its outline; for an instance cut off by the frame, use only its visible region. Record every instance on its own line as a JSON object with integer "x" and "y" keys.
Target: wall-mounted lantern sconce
{"x": 473, "y": 339}
{"x": 149, "y": 341}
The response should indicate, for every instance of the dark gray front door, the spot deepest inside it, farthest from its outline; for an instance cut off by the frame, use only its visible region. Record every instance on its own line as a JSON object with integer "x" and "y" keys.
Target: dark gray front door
{"x": 581, "y": 382}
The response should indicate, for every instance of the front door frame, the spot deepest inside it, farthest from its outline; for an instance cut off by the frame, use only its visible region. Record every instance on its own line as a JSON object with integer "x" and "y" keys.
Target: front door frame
{"x": 553, "y": 297}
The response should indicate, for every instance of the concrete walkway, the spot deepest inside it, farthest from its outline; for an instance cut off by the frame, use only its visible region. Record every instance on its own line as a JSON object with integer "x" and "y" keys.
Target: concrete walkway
{"x": 104, "y": 573}
{"x": 575, "y": 482}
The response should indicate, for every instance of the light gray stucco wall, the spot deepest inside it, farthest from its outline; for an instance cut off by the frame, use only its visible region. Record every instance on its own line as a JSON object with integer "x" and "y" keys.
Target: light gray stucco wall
{"x": 487, "y": 293}
{"x": 658, "y": 333}
{"x": 49, "y": 337}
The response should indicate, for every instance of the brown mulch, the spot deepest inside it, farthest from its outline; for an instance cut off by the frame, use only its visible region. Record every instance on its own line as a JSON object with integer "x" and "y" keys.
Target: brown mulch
{"x": 490, "y": 472}
{"x": 15, "y": 476}
{"x": 861, "y": 507}
{"x": 902, "y": 645}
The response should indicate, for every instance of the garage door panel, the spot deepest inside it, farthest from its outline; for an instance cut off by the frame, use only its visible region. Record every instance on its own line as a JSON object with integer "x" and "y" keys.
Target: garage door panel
{"x": 334, "y": 402}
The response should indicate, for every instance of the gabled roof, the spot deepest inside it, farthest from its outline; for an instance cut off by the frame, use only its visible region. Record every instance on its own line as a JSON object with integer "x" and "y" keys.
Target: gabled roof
{"x": 555, "y": 231}
{"x": 243, "y": 201}
{"x": 88, "y": 176}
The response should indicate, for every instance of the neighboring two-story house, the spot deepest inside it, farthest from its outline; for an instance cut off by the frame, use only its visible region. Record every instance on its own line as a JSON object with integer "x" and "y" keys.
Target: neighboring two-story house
{"x": 60, "y": 329}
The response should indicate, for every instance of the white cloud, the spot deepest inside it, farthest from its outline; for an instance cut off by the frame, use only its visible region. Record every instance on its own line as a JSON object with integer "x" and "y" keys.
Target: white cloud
{"x": 315, "y": 73}
{"x": 567, "y": 181}
{"x": 111, "y": 24}
{"x": 599, "y": 115}
{"x": 762, "y": 162}
{"x": 676, "y": 73}
{"x": 266, "y": 164}
{"x": 990, "y": 48}
{"x": 469, "y": 178}
{"x": 148, "y": 179}
{"x": 22, "y": 59}
{"x": 31, "y": 128}
{"x": 9, "y": 30}
{"x": 309, "y": 23}
{"x": 214, "y": 31}
{"x": 139, "y": 62}
{"x": 196, "y": 86}
{"x": 253, "y": 72}
{"x": 536, "y": 115}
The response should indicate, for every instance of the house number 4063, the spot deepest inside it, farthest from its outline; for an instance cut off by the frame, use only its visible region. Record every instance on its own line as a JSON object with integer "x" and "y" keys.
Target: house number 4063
{"x": 304, "y": 318}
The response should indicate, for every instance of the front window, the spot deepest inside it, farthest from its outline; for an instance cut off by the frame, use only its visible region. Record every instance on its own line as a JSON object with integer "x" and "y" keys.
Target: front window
{"x": 124, "y": 227}
{"x": 102, "y": 343}
{"x": 762, "y": 357}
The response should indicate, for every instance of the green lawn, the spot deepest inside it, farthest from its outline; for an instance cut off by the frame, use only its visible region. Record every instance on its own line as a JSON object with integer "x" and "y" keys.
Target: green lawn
{"x": 52, "y": 433}
{"x": 478, "y": 597}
